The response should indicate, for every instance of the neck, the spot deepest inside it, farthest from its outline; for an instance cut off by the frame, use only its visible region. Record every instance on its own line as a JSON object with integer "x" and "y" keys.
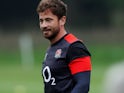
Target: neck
{"x": 59, "y": 36}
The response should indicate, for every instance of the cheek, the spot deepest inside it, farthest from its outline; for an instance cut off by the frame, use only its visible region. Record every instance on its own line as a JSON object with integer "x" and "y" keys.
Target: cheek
{"x": 40, "y": 26}
{"x": 60, "y": 22}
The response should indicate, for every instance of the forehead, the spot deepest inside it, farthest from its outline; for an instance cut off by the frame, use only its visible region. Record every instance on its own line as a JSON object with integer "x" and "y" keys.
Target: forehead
{"x": 47, "y": 14}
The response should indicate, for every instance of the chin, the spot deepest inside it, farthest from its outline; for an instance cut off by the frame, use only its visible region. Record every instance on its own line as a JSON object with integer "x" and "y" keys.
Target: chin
{"x": 47, "y": 37}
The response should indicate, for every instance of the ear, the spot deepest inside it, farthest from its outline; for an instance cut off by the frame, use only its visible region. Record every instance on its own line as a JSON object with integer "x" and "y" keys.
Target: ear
{"x": 63, "y": 20}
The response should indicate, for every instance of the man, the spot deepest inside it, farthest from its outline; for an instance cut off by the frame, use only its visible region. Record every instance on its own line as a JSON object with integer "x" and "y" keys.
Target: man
{"x": 67, "y": 65}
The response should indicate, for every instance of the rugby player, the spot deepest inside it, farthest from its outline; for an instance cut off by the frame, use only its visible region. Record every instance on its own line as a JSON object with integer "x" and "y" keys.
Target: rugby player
{"x": 67, "y": 63}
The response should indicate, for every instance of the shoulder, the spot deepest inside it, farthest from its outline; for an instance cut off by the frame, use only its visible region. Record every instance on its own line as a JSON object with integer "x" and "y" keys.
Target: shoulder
{"x": 73, "y": 41}
{"x": 75, "y": 44}
{"x": 70, "y": 38}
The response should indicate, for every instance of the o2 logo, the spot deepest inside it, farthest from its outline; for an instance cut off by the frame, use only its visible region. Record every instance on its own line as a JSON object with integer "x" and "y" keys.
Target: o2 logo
{"x": 48, "y": 78}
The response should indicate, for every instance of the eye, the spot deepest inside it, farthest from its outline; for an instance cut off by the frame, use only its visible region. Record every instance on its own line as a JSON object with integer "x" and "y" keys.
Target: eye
{"x": 40, "y": 20}
{"x": 49, "y": 19}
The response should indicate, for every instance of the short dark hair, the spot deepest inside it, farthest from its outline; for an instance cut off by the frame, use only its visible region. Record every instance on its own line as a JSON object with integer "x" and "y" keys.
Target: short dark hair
{"x": 57, "y": 7}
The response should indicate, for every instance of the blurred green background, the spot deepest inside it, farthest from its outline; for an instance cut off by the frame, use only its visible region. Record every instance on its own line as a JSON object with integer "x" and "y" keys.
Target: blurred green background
{"x": 99, "y": 23}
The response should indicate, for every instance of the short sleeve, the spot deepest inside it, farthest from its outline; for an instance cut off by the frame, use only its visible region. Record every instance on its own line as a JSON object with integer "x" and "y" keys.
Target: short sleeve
{"x": 78, "y": 58}
{"x": 77, "y": 50}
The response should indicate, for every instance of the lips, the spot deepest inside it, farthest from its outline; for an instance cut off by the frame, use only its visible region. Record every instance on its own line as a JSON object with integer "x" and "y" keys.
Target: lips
{"x": 46, "y": 31}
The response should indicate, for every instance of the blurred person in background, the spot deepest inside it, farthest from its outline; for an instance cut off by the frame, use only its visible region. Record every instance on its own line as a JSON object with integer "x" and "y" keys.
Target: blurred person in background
{"x": 114, "y": 79}
{"x": 67, "y": 63}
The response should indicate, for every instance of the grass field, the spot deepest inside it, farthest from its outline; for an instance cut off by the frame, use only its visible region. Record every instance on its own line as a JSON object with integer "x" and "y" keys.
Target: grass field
{"x": 15, "y": 79}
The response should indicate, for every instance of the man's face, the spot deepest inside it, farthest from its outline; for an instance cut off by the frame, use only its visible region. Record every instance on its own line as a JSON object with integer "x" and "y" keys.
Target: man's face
{"x": 49, "y": 24}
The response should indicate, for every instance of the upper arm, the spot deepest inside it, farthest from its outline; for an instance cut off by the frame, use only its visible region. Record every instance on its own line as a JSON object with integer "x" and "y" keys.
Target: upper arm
{"x": 78, "y": 58}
